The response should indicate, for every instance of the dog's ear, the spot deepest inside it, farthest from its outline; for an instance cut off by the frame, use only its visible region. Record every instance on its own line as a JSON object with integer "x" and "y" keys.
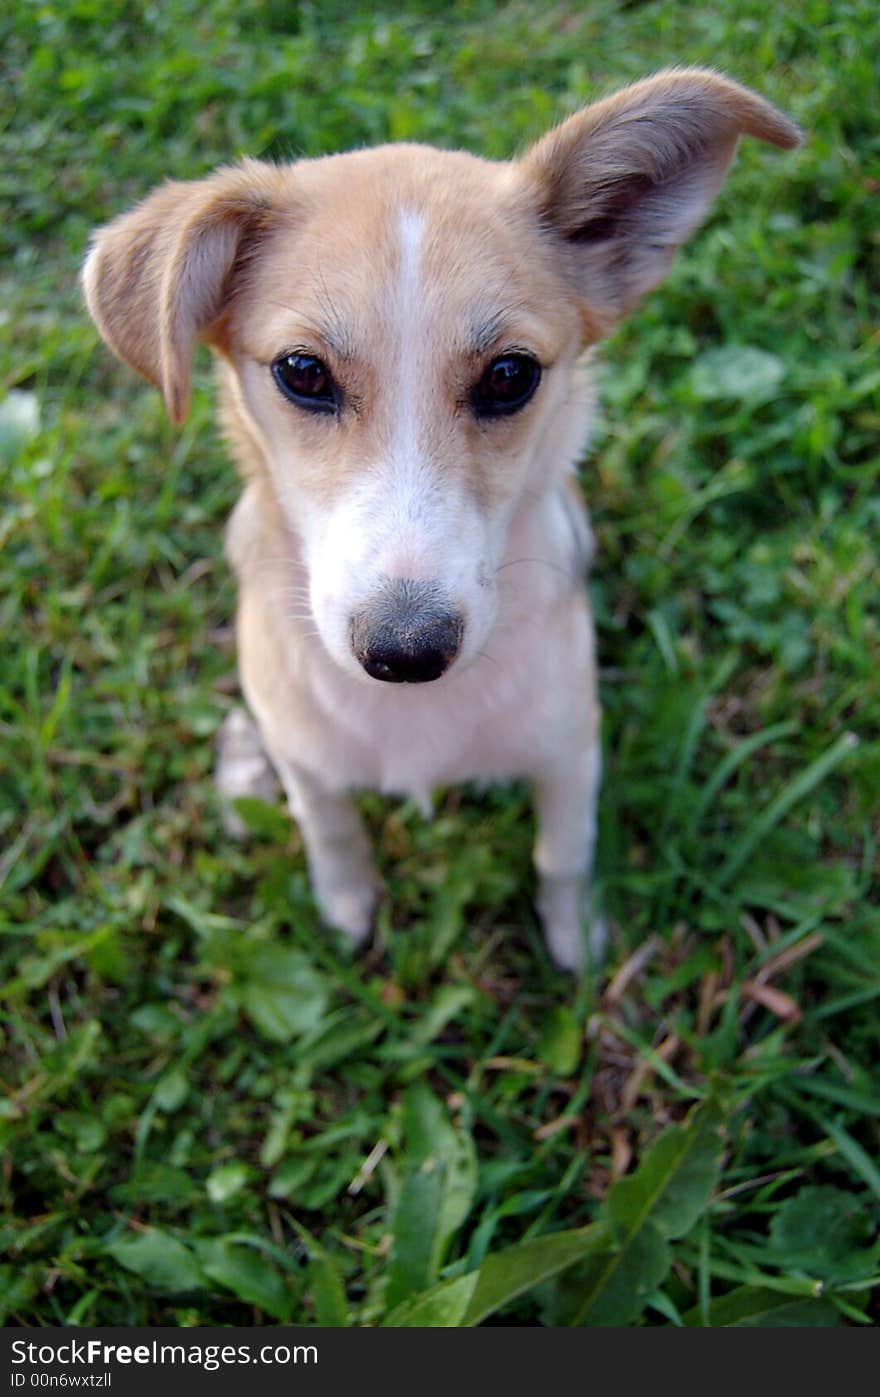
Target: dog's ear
{"x": 624, "y": 182}
{"x": 159, "y": 277}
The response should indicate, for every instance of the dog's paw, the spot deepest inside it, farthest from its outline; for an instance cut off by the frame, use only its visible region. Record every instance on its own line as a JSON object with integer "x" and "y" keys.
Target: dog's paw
{"x": 575, "y": 938}
{"x": 350, "y": 911}
{"x": 242, "y": 769}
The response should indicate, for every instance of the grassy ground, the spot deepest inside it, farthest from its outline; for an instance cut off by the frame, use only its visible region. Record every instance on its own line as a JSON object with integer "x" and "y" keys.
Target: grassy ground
{"x": 210, "y": 1115}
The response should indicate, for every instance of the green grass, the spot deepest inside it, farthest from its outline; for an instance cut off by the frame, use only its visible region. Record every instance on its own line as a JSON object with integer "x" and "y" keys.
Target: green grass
{"x": 210, "y": 1115}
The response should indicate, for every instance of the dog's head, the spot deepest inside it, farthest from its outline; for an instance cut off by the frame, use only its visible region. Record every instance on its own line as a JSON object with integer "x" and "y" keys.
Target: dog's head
{"x": 403, "y": 327}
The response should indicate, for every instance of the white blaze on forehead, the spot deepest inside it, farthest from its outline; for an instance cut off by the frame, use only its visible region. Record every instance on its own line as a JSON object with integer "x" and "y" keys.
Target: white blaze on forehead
{"x": 410, "y": 476}
{"x": 408, "y": 315}
{"x": 410, "y": 227}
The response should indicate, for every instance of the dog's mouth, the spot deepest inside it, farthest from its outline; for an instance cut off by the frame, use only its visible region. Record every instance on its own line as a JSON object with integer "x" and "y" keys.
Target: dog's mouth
{"x": 408, "y": 635}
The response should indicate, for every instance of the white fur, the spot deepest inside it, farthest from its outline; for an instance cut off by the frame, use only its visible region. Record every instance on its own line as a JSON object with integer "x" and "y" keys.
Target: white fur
{"x": 408, "y": 315}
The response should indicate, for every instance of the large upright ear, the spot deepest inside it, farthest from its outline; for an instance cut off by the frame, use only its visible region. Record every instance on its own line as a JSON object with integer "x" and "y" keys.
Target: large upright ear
{"x": 625, "y": 181}
{"x": 158, "y": 277}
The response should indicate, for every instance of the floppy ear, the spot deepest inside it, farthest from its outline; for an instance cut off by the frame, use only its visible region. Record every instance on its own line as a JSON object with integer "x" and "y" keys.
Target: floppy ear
{"x": 158, "y": 277}
{"x": 625, "y": 181}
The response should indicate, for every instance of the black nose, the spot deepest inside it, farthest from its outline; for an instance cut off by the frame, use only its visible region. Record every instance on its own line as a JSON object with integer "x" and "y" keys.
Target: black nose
{"x": 407, "y": 636}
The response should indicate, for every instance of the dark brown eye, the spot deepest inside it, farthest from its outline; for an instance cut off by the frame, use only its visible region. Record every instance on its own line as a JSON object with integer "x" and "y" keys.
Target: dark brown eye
{"x": 306, "y": 381}
{"x": 506, "y": 386}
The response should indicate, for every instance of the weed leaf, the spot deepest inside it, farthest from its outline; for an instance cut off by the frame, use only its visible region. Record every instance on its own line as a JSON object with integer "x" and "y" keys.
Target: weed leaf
{"x": 323, "y": 1283}
{"x": 560, "y": 1043}
{"x": 328, "y": 1295}
{"x": 673, "y": 1183}
{"x": 663, "y": 1199}
{"x": 468, "y": 1300}
{"x": 283, "y": 995}
{"x": 738, "y": 372}
{"x": 436, "y": 1194}
{"x": 159, "y": 1259}
{"x": 247, "y": 1274}
{"x": 827, "y": 1233}
{"x": 751, "y": 1306}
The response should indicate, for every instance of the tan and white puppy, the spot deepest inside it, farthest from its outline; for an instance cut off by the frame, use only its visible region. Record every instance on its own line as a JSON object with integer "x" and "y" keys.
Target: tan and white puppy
{"x": 401, "y": 337}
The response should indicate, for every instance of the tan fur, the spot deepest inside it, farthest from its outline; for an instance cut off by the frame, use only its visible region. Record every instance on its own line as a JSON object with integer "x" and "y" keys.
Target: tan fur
{"x": 407, "y": 271}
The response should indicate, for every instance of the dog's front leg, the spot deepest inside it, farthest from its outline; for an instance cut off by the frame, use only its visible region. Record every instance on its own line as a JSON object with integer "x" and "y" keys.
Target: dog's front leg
{"x": 565, "y": 806}
{"x": 344, "y": 880}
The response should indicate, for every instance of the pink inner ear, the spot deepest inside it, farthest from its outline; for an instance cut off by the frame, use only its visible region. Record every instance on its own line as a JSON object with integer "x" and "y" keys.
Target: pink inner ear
{"x": 669, "y": 212}
{"x": 157, "y": 277}
{"x": 627, "y": 180}
{"x": 612, "y": 206}
{"x": 192, "y": 297}
{"x": 624, "y": 250}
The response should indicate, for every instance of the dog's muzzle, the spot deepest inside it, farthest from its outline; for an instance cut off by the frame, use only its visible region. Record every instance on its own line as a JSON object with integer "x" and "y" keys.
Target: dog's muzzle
{"x": 408, "y": 634}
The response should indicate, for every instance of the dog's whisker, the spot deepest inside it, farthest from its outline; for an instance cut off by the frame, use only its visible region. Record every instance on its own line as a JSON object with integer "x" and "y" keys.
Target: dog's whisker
{"x": 484, "y": 655}
{"x": 545, "y": 562}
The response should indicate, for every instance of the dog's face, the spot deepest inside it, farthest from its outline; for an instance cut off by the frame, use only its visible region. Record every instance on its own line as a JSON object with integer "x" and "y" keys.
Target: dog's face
{"x": 402, "y": 328}
{"x": 403, "y": 345}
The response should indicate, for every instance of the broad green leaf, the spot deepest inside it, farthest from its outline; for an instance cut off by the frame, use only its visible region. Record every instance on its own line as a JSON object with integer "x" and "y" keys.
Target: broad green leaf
{"x": 262, "y": 818}
{"x": 227, "y": 1180}
{"x": 442, "y": 1307}
{"x": 171, "y": 1090}
{"x": 154, "y": 1182}
{"x": 754, "y": 1307}
{"x": 87, "y": 1133}
{"x": 323, "y": 1283}
{"x": 248, "y": 1274}
{"x": 283, "y": 994}
{"x": 436, "y": 1194}
{"x": 560, "y": 1043}
{"x": 663, "y": 1199}
{"x": 205, "y": 923}
{"x": 339, "y": 1036}
{"x": 159, "y": 1259}
{"x": 427, "y": 1129}
{"x": 418, "y": 1235}
{"x": 156, "y": 1021}
{"x": 291, "y": 1177}
{"x": 19, "y": 423}
{"x": 520, "y": 1268}
{"x": 615, "y": 1286}
{"x": 826, "y": 1232}
{"x": 737, "y": 372}
{"x": 502, "y": 1277}
{"x": 328, "y": 1295}
{"x": 449, "y": 1001}
{"x": 674, "y": 1181}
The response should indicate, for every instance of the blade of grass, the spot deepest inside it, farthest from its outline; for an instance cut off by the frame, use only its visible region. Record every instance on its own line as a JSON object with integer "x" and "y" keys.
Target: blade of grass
{"x": 855, "y": 1155}
{"x": 778, "y": 808}
{"x": 732, "y": 762}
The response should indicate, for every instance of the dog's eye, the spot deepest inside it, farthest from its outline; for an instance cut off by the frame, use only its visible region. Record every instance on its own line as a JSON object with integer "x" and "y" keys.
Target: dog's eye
{"x": 506, "y": 386}
{"x": 306, "y": 381}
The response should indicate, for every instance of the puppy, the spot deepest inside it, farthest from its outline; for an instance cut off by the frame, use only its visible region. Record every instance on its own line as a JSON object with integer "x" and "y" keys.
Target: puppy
{"x": 401, "y": 338}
